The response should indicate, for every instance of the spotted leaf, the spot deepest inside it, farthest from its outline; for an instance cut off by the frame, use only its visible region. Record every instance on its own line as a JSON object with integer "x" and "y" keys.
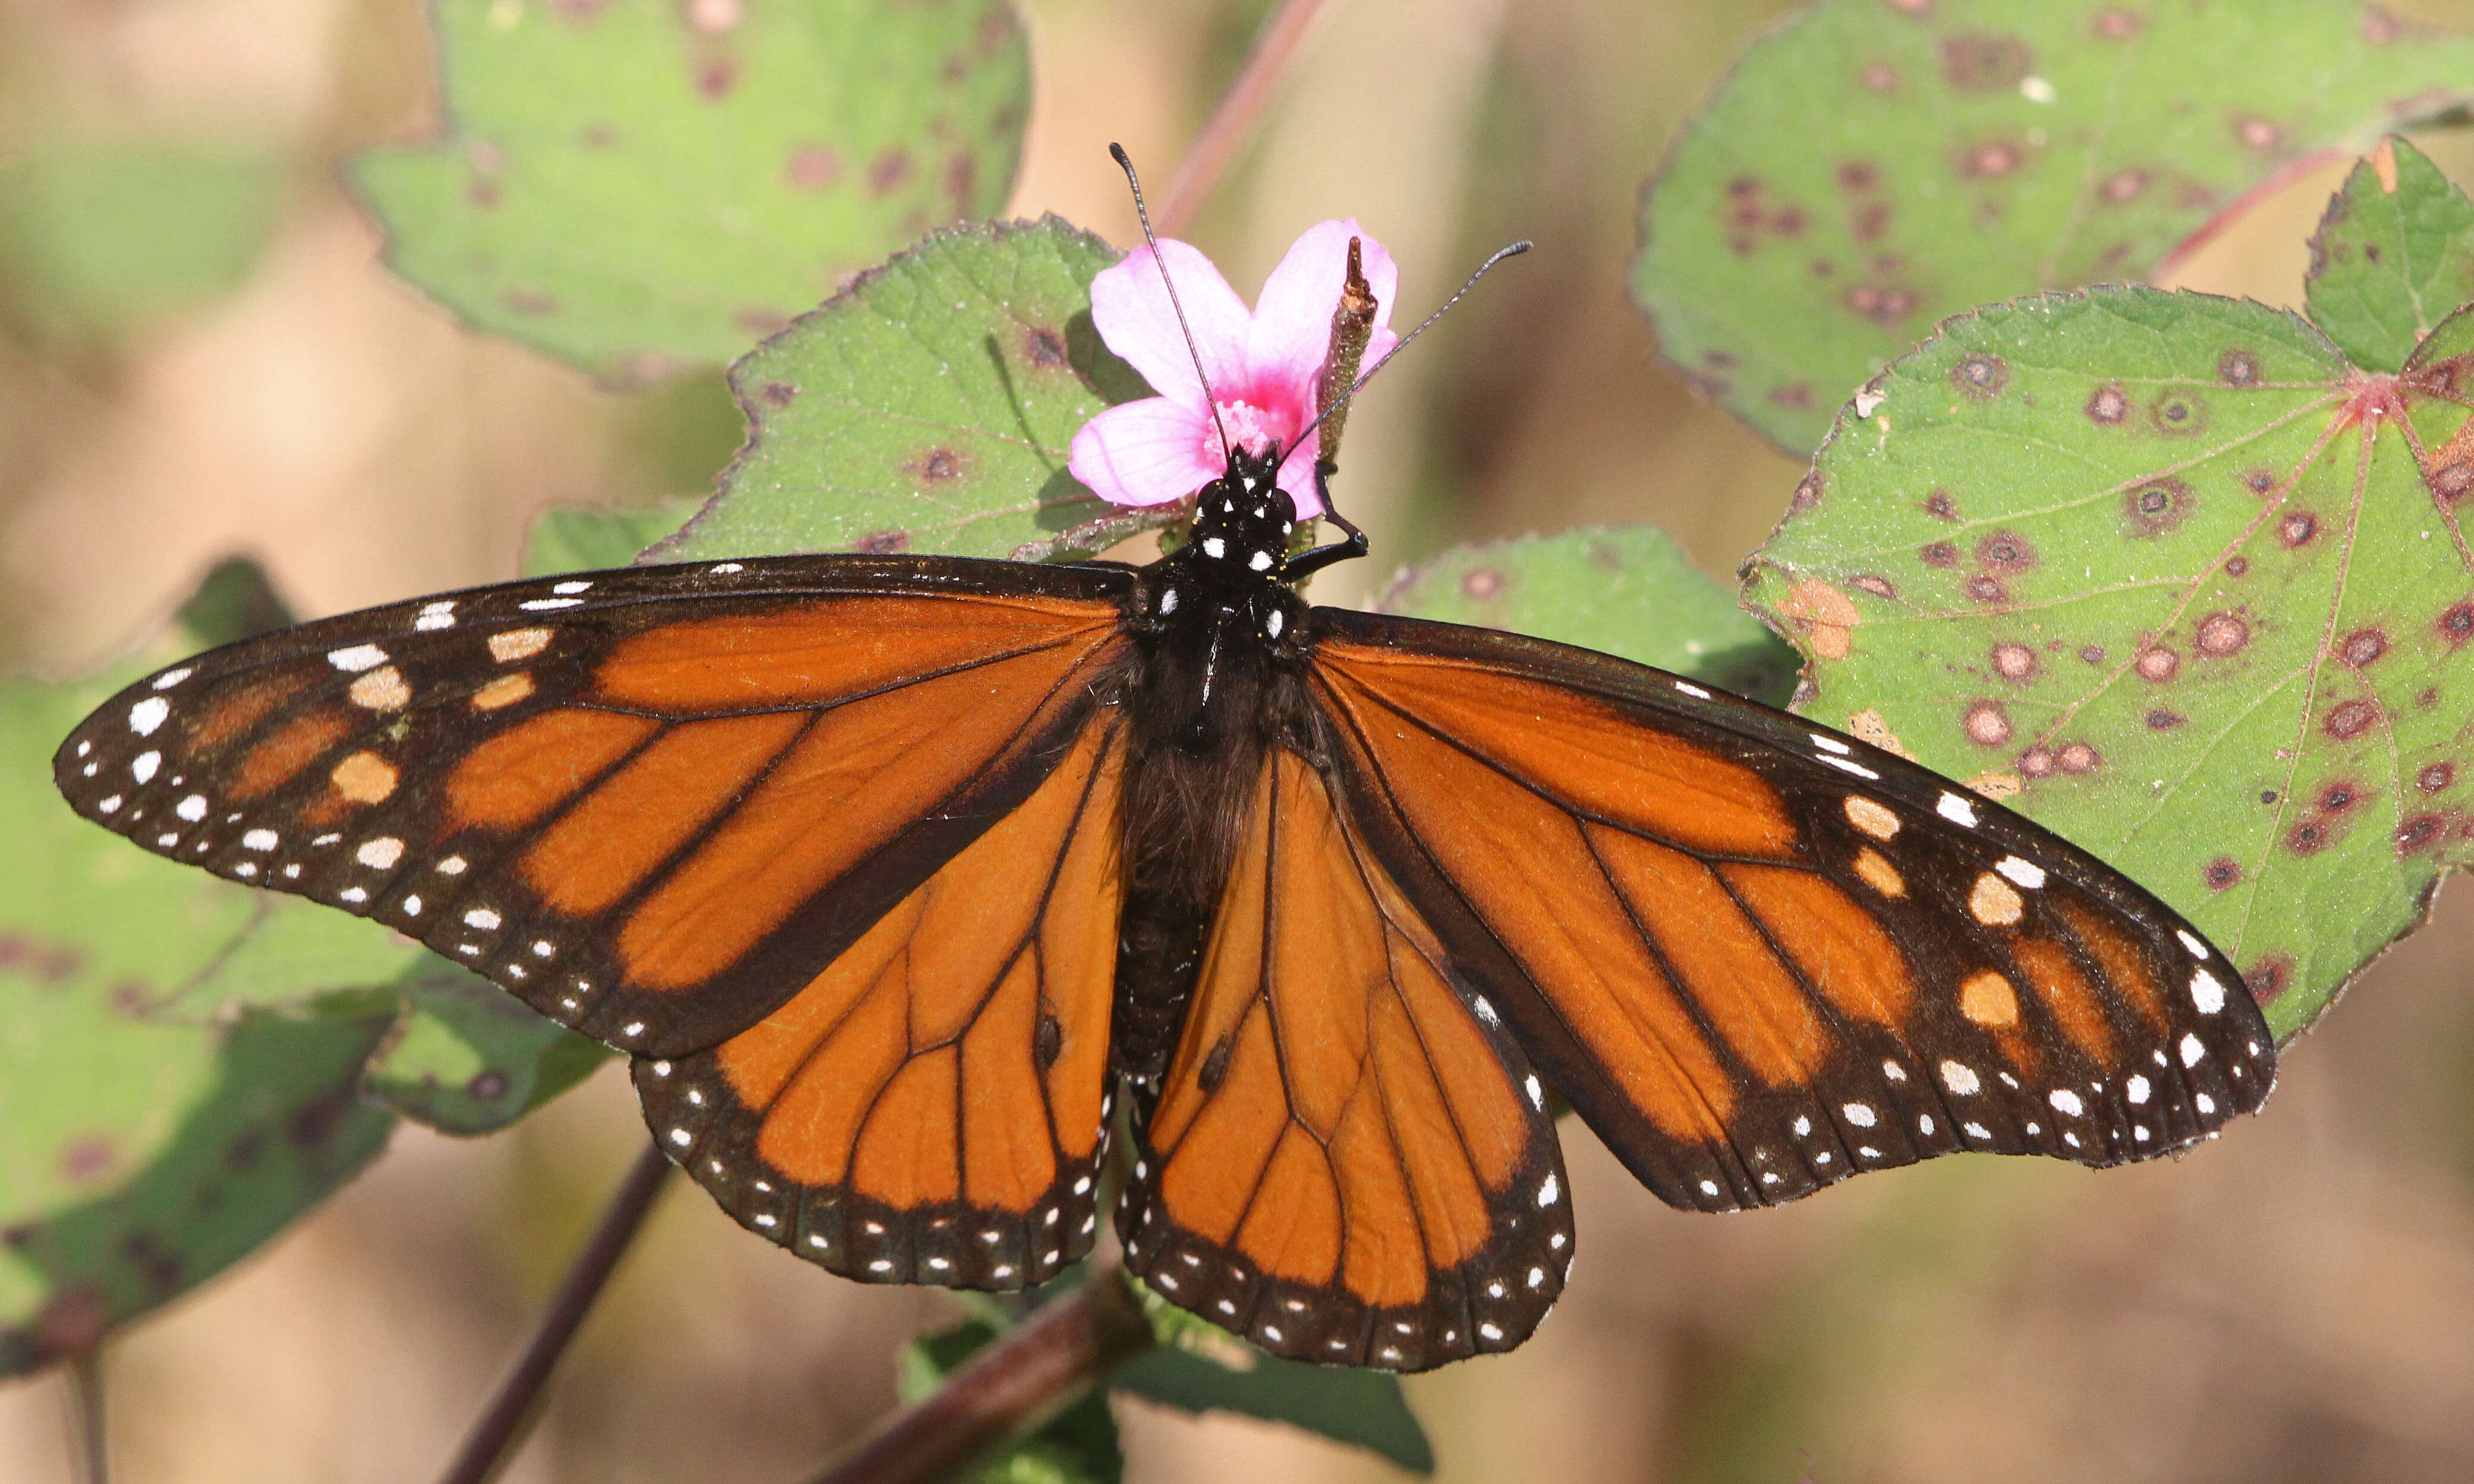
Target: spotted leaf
{"x": 2393, "y": 256}
{"x": 1625, "y": 590}
{"x": 1879, "y": 164}
{"x": 735, "y": 164}
{"x": 2168, "y": 574}
{"x": 928, "y": 408}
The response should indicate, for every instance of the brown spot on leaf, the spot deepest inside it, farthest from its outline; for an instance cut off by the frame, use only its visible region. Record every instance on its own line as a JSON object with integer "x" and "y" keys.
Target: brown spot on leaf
{"x": 761, "y": 321}
{"x": 1985, "y": 62}
{"x": 1878, "y": 586}
{"x": 778, "y": 394}
{"x": 2117, "y": 24}
{"x": 715, "y": 78}
{"x": 2307, "y": 836}
{"x": 2077, "y": 758}
{"x": 2157, "y": 506}
{"x": 2108, "y": 404}
{"x": 2158, "y": 665}
{"x": 1044, "y": 348}
{"x": 529, "y": 301}
{"x": 1859, "y": 174}
{"x": 1878, "y": 77}
{"x": 2339, "y": 797}
{"x": 1886, "y": 305}
{"x": 961, "y": 180}
{"x": 2296, "y": 528}
{"x": 2238, "y": 369}
{"x": 1869, "y": 221}
{"x": 1939, "y": 503}
{"x": 2176, "y": 413}
{"x": 1987, "y": 589}
{"x": 2421, "y": 832}
{"x": 2453, "y": 481}
{"x": 2268, "y": 978}
{"x": 2092, "y": 654}
{"x": 2362, "y": 646}
{"x": 87, "y": 1157}
{"x": 71, "y": 1323}
{"x": 1980, "y": 375}
{"x": 2349, "y": 719}
{"x": 1827, "y": 615}
{"x": 2236, "y": 566}
{"x": 882, "y": 543}
{"x": 482, "y": 193}
{"x": 2014, "y": 661}
{"x": 1985, "y": 724}
{"x": 2161, "y": 720}
{"x": 486, "y": 1086}
{"x": 2222, "y": 872}
{"x": 890, "y": 172}
{"x": 939, "y": 465}
{"x": 2222, "y": 633}
{"x": 2457, "y": 624}
{"x": 1988, "y": 158}
{"x": 1938, "y": 554}
{"x": 598, "y": 135}
{"x": 2036, "y": 762}
{"x": 812, "y": 167}
{"x": 1795, "y": 395}
{"x": 2006, "y": 551}
{"x": 1808, "y": 491}
{"x": 2123, "y": 185}
{"x": 1482, "y": 584}
{"x": 2436, "y": 776}
{"x": 2256, "y": 132}
{"x": 2260, "y": 482}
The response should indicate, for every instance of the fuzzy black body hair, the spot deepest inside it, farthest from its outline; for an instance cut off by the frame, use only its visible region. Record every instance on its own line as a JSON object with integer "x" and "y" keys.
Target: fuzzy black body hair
{"x": 1216, "y": 680}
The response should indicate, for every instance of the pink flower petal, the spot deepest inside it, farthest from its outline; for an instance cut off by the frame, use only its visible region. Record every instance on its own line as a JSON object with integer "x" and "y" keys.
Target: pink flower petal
{"x": 1148, "y": 452}
{"x": 1130, "y": 308}
{"x": 1297, "y": 476}
{"x": 1291, "y": 329}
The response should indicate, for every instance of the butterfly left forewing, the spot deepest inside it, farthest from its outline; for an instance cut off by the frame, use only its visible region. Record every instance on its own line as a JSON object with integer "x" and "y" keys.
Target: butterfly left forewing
{"x": 1345, "y": 1162}
{"x": 931, "y": 1107}
{"x": 651, "y": 803}
{"x": 1758, "y": 957}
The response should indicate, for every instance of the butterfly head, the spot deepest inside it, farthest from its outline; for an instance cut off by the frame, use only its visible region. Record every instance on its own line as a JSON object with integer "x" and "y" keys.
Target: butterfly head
{"x": 1243, "y": 520}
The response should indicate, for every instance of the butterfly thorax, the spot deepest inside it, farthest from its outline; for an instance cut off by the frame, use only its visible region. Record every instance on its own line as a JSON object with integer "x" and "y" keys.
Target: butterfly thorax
{"x": 1215, "y": 686}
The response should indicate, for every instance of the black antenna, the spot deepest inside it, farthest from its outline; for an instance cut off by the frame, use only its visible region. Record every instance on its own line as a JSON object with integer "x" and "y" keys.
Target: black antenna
{"x": 1143, "y": 215}
{"x": 1341, "y": 400}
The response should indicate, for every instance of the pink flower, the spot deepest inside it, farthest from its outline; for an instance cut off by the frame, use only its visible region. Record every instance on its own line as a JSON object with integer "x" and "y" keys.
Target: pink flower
{"x": 1262, "y": 364}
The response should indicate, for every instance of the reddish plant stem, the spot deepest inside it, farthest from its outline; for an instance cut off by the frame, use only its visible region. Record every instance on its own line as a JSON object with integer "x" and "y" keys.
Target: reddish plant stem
{"x": 1233, "y": 116}
{"x": 494, "y": 1437}
{"x": 1021, "y": 1379}
{"x": 90, "y": 1449}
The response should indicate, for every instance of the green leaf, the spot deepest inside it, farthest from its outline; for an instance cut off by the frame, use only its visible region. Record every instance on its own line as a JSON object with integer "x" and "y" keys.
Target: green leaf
{"x": 2392, "y": 258}
{"x": 179, "y": 1077}
{"x": 568, "y": 539}
{"x": 234, "y": 601}
{"x": 1873, "y": 167}
{"x": 930, "y": 407}
{"x": 104, "y": 238}
{"x": 1626, "y": 590}
{"x": 138, "y": 1158}
{"x": 2145, "y": 561}
{"x": 469, "y": 1058}
{"x": 643, "y": 186}
{"x": 1200, "y": 1367}
{"x": 1078, "y": 1447}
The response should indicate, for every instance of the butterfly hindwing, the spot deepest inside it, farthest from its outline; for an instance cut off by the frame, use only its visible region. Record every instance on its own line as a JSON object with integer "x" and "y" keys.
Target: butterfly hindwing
{"x": 1758, "y": 957}
{"x": 1348, "y": 1161}
{"x": 931, "y": 1107}
{"x": 652, "y": 802}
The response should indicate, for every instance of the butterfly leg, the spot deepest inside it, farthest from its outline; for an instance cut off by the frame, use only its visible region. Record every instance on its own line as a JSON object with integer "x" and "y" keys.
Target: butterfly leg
{"x": 1306, "y": 564}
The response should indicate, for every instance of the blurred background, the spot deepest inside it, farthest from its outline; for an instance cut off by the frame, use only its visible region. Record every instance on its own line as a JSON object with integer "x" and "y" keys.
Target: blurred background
{"x": 200, "y": 353}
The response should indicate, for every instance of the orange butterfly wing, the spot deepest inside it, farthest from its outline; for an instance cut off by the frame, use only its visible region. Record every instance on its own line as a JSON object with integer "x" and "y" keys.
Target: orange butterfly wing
{"x": 931, "y": 1107}
{"x": 1758, "y": 957}
{"x": 1346, "y": 1163}
{"x": 654, "y": 803}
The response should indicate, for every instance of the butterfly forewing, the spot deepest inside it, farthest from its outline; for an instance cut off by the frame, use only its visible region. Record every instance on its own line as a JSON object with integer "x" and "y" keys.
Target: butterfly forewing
{"x": 931, "y": 1106}
{"x": 1350, "y": 1161}
{"x": 1756, "y": 956}
{"x": 653, "y": 802}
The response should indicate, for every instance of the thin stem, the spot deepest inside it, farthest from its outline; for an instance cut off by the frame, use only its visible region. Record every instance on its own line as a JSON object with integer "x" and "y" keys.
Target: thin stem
{"x": 90, "y": 1448}
{"x": 1233, "y": 116}
{"x": 492, "y": 1437}
{"x": 1024, "y": 1377}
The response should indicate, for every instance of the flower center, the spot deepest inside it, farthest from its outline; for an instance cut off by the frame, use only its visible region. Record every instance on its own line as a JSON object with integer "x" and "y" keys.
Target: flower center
{"x": 1248, "y": 427}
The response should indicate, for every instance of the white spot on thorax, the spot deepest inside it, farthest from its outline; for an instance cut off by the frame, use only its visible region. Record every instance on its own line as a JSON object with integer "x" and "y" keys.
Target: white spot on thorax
{"x": 1214, "y": 547}
{"x": 1260, "y": 562}
{"x": 1168, "y": 601}
{"x": 1275, "y": 622}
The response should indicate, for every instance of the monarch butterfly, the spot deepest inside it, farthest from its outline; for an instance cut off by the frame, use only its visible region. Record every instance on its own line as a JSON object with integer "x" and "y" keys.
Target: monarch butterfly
{"x": 894, "y": 873}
